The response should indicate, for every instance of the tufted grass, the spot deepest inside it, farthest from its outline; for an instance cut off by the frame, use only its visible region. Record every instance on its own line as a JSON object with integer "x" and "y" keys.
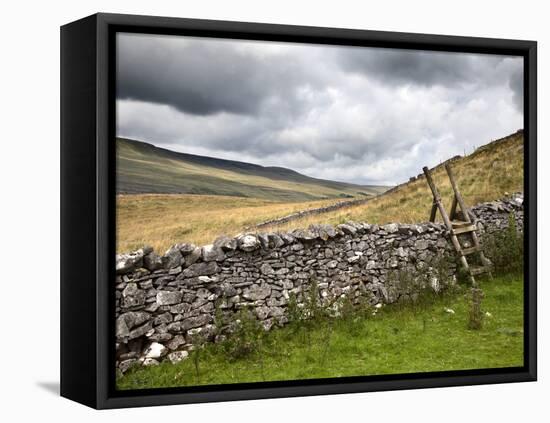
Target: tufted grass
{"x": 398, "y": 339}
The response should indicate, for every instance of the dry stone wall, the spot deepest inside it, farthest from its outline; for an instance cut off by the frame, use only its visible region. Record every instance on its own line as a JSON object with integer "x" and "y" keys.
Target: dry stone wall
{"x": 163, "y": 301}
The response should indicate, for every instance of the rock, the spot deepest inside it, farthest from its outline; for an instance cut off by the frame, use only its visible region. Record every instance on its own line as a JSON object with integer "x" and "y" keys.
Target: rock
{"x": 149, "y": 362}
{"x": 132, "y": 296}
{"x": 276, "y": 311}
{"x": 324, "y": 231}
{"x": 201, "y": 269}
{"x": 264, "y": 240}
{"x": 126, "y": 365}
{"x": 163, "y": 318}
{"x": 401, "y": 252}
{"x": 248, "y": 243}
{"x": 297, "y": 247}
{"x": 371, "y": 264}
{"x": 354, "y": 259}
{"x": 226, "y": 243}
{"x": 257, "y": 292}
{"x": 129, "y": 320}
{"x": 421, "y": 244}
{"x": 195, "y": 322}
{"x": 266, "y": 269}
{"x": 192, "y": 257}
{"x": 417, "y": 229}
{"x": 172, "y": 257}
{"x": 186, "y": 249}
{"x": 212, "y": 253}
{"x": 441, "y": 243}
{"x": 262, "y": 312}
{"x": 140, "y": 331}
{"x": 128, "y": 262}
{"x": 155, "y": 350}
{"x": 347, "y": 229}
{"x": 152, "y": 261}
{"x": 168, "y": 297}
{"x": 303, "y": 235}
{"x": 176, "y": 342}
{"x": 177, "y": 356}
{"x": 130, "y": 290}
{"x": 391, "y": 228}
{"x": 332, "y": 264}
{"x": 287, "y": 238}
{"x": 275, "y": 241}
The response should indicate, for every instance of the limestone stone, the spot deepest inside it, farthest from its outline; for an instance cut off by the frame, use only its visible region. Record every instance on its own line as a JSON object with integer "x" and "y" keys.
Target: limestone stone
{"x": 226, "y": 243}
{"x": 212, "y": 253}
{"x": 168, "y": 297}
{"x": 248, "y": 243}
{"x": 155, "y": 350}
{"x": 257, "y": 292}
{"x": 172, "y": 257}
{"x": 201, "y": 269}
{"x": 177, "y": 356}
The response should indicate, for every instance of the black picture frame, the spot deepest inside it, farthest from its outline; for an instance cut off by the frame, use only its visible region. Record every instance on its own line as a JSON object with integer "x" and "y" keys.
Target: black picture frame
{"x": 88, "y": 215}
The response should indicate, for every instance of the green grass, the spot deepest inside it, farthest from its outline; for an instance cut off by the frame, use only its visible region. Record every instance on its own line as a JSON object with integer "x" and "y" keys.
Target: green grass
{"x": 399, "y": 339}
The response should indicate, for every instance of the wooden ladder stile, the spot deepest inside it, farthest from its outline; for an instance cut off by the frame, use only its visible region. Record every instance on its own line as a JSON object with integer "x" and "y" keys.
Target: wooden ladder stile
{"x": 466, "y": 225}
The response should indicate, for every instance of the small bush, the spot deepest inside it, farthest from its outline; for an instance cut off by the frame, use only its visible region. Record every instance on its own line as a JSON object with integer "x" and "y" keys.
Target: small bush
{"x": 246, "y": 336}
{"x": 505, "y": 248}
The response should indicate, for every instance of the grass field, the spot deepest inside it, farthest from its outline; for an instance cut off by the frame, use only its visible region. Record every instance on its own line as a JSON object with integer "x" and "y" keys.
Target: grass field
{"x": 398, "y": 339}
{"x": 162, "y": 220}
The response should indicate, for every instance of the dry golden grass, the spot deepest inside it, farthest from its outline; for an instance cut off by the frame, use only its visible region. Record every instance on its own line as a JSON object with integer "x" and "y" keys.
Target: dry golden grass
{"x": 486, "y": 175}
{"x": 161, "y": 220}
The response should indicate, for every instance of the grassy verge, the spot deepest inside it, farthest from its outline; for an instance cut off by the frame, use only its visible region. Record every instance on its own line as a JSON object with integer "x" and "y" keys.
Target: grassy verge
{"x": 398, "y": 339}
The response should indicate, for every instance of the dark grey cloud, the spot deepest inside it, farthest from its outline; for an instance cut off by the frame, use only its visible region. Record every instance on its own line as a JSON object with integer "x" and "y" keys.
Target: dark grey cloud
{"x": 204, "y": 76}
{"x": 420, "y": 67}
{"x": 356, "y": 114}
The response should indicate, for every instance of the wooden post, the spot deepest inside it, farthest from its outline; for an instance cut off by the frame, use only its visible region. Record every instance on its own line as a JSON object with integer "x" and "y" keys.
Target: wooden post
{"x": 453, "y": 209}
{"x": 466, "y": 213}
{"x": 433, "y": 212}
{"x": 448, "y": 224}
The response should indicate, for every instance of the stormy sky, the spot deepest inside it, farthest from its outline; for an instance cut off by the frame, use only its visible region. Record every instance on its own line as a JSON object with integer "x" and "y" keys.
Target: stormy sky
{"x": 354, "y": 114}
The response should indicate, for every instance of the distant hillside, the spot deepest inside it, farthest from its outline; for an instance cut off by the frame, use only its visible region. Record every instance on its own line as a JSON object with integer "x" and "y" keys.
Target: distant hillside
{"x": 145, "y": 168}
{"x": 489, "y": 173}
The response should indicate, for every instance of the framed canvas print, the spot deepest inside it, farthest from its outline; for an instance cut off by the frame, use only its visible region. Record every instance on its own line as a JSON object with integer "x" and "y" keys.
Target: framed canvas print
{"x": 255, "y": 211}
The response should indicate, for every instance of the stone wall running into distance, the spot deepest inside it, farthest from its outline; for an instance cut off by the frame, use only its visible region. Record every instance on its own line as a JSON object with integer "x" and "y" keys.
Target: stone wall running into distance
{"x": 162, "y": 301}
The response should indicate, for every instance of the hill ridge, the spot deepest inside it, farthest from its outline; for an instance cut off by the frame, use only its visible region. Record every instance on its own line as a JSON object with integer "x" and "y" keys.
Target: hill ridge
{"x": 143, "y": 167}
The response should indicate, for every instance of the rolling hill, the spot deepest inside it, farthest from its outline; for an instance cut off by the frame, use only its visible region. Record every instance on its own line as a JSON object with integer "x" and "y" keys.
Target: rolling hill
{"x": 489, "y": 173}
{"x": 143, "y": 168}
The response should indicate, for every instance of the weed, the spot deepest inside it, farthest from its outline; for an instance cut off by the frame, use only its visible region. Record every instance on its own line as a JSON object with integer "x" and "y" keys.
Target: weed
{"x": 505, "y": 248}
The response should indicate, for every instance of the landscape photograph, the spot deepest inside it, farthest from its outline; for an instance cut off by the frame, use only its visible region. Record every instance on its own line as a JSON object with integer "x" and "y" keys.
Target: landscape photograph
{"x": 290, "y": 211}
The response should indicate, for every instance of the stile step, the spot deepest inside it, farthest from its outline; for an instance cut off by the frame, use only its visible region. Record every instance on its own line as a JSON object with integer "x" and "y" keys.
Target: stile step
{"x": 479, "y": 270}
{"x": 460, "y": 223}
{"x": 471, "y": 250}
{"x": 464, "y": 229}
